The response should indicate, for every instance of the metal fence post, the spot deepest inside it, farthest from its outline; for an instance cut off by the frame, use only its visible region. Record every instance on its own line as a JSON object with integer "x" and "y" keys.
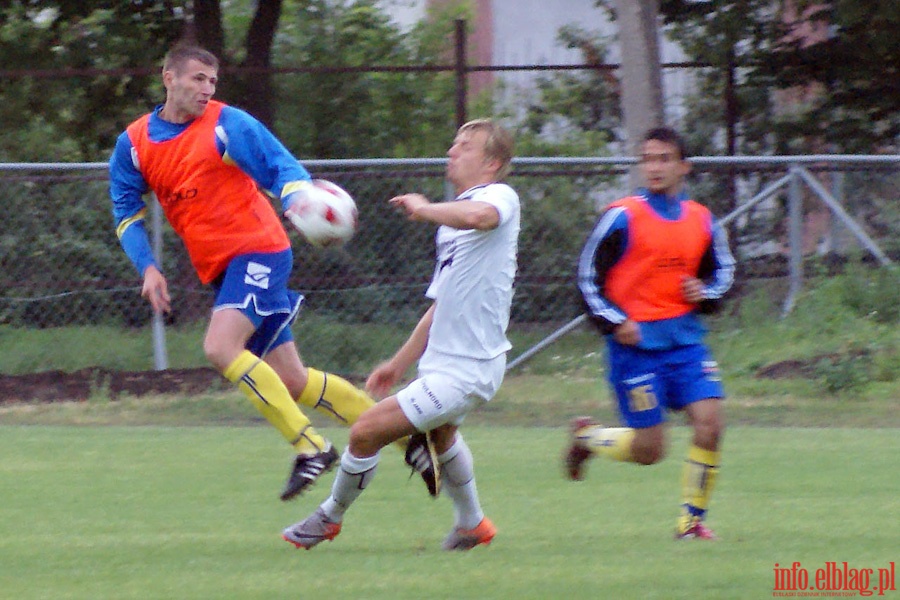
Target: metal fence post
{"x": 839, "y": 212}
{"x": 460, "y": 68}
{"x": 449, "y": 191}
{"x": 838, "y": 231}
{"x": 795, "y": 239}
{"x": 160, "y": 356}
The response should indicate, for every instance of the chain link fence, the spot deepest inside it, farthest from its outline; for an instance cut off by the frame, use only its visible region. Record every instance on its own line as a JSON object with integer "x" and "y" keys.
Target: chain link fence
{"x": 61, "y": 264}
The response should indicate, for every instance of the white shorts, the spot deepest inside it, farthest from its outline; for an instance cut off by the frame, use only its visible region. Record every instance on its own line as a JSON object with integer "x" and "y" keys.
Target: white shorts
{"x": 448, "y": 388}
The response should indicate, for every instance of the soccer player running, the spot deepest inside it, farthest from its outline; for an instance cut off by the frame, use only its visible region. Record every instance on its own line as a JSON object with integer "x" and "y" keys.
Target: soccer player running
{"x": 206, "y": 163}
{"x": 460, "y": 342}
{"x": 652, "y": 263}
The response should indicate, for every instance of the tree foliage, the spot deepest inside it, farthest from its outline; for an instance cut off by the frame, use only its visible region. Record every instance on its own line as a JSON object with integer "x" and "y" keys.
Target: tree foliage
{"x": 573, "y": 113}
{"x": 792, "y": 90}
{"x": 352, "y": 113}
{"x": 856, "y": 67}
{"x": 84, "y": 69}
{"x": 47, "y": 116}
{"x": 796, "y": 90}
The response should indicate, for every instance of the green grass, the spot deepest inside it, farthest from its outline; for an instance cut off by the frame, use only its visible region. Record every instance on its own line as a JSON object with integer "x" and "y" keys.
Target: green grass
{"x": 174, "y": 497}
{"x": 192, "y": 513}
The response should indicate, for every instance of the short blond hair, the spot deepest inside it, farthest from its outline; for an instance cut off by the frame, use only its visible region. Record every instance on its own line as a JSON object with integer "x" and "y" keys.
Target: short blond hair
{"x": 499, "y": 144}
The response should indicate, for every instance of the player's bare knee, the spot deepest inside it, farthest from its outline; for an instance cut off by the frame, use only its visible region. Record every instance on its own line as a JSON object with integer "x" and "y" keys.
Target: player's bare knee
{"x": 647, "y": 451}
{"x": 709, "y": 429}
{"x": 216, "y": 355}
{"x": 708, "y": 434}
{"x": 293, "y": 382}
{"x": 362, "y": 437}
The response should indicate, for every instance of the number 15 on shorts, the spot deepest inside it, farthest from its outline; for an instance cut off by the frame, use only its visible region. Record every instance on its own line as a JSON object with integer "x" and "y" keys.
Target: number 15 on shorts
{"x": 641, "y": 398}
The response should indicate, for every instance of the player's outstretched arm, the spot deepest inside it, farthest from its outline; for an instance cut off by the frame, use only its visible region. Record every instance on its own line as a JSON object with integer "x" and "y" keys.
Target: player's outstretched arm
{"x": 244, "y": 141}
{"x": 387, "y": 374}
{"x": 601, "y": 251}
{"x": 462, "y": 214}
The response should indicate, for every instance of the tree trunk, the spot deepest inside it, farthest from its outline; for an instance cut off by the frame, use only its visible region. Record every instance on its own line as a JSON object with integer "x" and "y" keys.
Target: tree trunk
{"x": 257, "y": 96}
{"x": 207, "y": 24}
{"x": 642, "y": 98}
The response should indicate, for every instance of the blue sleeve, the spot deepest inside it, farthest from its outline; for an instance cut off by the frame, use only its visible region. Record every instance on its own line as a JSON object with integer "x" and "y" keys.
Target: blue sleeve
{"x": 720, "y": 275}
{"x": 247, "y": 143}
{"x": 126, "y": 189}
{"x": 136, "y": 244}
{"x": 603, "y": 249}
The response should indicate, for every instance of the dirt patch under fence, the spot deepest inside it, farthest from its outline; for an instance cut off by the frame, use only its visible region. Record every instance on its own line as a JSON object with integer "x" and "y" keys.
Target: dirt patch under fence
{"x": 54, "y": 386}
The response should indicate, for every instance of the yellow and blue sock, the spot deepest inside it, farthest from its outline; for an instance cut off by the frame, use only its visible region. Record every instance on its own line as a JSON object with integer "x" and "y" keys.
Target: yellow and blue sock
{"x": 338, "y": 398}
{"x": 261, "y": 384}
{"x": 697, "y": 482}
{"x": 334, "y": 396}
{"x": 611, "y": 442}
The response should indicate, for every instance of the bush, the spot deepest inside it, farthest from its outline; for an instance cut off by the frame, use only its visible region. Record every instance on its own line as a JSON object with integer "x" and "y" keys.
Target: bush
{"x": 844, "y": 372}
{"x": 872, "y": 293}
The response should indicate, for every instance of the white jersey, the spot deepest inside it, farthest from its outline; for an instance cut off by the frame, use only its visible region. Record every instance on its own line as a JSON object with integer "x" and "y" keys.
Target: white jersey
{"x": 473, "y": 280}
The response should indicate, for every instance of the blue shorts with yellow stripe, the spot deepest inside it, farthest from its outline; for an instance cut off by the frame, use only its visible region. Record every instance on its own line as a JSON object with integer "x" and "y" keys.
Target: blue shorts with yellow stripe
{"x": 648, "y": 381}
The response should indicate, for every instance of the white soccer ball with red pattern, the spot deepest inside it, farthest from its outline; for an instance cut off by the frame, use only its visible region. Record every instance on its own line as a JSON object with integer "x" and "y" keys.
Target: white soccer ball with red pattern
{"x": 325, "y": 216}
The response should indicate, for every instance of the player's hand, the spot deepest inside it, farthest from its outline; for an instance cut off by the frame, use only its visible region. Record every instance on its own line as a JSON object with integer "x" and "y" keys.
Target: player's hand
{"x": 692, "y": 288}
{"x": 382, "y": 379}
{"x": 299, "y": 194}
{"x": 410, "y": 204}
{"x": 628, "y": 333}
{"x": 156, "y": 290}
{"x": 296, "y": 202}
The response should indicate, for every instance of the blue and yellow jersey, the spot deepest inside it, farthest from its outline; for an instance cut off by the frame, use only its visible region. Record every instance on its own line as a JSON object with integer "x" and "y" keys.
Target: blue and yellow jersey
{"x": 635, "y": 258}
{"x": 207, "y": 175}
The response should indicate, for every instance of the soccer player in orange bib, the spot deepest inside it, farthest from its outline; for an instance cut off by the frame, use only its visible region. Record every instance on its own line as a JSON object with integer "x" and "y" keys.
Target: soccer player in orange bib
{"x": 652, "y": 263}
{"x": 206, "y": 162}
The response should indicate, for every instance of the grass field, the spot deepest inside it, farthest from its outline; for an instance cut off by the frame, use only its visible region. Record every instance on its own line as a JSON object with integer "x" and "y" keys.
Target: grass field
{"x": 192, "y": 513}
{"x": 176, "y": 498}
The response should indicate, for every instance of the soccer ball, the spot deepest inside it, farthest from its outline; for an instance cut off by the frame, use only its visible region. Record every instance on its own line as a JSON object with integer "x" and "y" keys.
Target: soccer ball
{"x": 325, "y": 216}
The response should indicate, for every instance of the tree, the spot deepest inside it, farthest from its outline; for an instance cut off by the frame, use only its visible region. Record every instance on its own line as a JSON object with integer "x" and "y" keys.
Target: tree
{"x": 641, "y": 76}
{"x": 85, "y": 68}
{"x": 574, "y": 113}
{"x": 46, "y": 116}
{"x": 354, "y": 113}
{"x": 252, "y": 86}
{"x": 855, "y": 68}
{"x": 852, "y": 72}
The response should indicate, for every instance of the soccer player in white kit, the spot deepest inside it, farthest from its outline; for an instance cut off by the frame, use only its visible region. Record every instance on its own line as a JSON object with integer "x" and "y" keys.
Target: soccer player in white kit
{"x": 460, "y": 342}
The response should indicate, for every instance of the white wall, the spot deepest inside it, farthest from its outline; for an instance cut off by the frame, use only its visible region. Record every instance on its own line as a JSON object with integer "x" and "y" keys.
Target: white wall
{"x": 405, "y": 12}
{"x": 525, "y": 32}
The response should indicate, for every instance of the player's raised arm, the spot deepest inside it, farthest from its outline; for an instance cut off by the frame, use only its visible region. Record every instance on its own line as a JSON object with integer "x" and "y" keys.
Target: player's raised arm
{"x": 245, "y": 142}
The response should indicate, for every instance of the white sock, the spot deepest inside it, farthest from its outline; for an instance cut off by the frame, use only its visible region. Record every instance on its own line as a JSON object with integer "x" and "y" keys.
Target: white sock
{"x": 352, "y": 478}
{"x": 458, "y": 477}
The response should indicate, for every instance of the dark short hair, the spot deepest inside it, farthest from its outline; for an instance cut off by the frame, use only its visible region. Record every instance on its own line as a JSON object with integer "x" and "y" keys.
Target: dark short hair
{"x": 669, "y": 136}
{"x": 180, "y": 54}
